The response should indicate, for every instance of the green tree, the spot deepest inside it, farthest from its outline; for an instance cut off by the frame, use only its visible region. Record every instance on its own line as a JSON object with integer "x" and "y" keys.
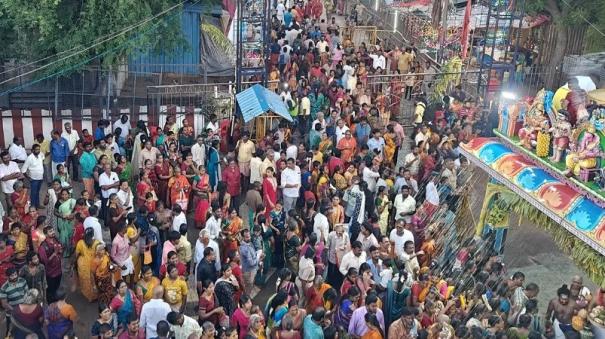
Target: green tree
{"x": 34, "y": 29}
{"x": 565, "y": 14}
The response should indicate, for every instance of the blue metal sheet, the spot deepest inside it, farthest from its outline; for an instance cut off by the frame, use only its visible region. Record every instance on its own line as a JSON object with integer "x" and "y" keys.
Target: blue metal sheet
{"x": 182, "y": 60}
{"x": 258, "y": 100}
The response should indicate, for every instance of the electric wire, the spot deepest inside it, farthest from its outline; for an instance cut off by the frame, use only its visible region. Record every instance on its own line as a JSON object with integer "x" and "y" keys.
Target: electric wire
{"x": 586, "y": 20}
{"x": 111, "y": 37}
{"x": 153, "y": 27}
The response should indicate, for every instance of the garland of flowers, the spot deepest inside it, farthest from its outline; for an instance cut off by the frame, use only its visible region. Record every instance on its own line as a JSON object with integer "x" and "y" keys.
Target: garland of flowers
{"x": 584, "y": 256}
{"x": 451, "y": 71}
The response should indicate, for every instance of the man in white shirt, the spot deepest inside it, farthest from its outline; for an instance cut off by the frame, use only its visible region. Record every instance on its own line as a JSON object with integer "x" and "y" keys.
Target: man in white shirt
{"x": 320, "y": 120}
{"x": 17, "y": 151}
{"x": 109, "y": 183}
{"x": 370, "y": 176}
{"x": 411, "y": 161}
{"x": 432, "y": 195}
{"x": 378, "y": 61}
{"x": 376, "y": 142}
{"x": 154, "y": 311}
{"x": 341, "y": 129}
{"x": 72, "y": 138}
{"x": 124, "y": 126}
{"x": 202, "y": 242}
{"x": 33, "y": 169}
{"x": 255, "y": 166}
{"x": 367, "y": 238}
{"x": 399, "y": 236}
{"x": 268, "y": 162}
{"x": 405, "y": 205}
{"x": 213, "y": 224}
{"x": 178, "y": 217}
{"x": 422, "y": 135}
{"x": 290, "y": 184}
{"x": 125, "y": 196}
{"x": 280, "y": 9}
{"x": 291, "y": 151}
{"x": 321, "y": 226}
{"x": 352, "y": 259}
{"x": 213, "y": 124}
{"x": 198, "y": 152}
{"x": 93, "y": 222}
{"x": 322, "y": 44}
{"x": 9, "y": 174}
{"x": 183, "y": 326}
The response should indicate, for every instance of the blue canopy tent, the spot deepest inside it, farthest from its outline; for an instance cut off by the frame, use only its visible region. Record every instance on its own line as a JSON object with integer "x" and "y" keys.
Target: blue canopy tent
{"x": 258, "y": 100}
{"x": 263, "y": 106}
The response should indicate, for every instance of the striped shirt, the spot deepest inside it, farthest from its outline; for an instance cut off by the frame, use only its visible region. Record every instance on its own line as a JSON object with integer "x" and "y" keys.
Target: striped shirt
{"x": 14, "y": 292}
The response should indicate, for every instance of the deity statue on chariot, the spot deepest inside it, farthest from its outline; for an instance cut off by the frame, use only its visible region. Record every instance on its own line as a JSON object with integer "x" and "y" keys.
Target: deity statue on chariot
{"x": 574, "y": 147}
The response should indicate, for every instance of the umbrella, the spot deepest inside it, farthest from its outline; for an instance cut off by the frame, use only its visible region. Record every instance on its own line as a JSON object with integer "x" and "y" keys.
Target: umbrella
{"x": 598, "y": 95}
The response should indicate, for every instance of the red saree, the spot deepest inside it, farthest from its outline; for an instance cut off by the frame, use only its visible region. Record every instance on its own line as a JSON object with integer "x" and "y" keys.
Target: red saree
{"x": 269, "y": 195}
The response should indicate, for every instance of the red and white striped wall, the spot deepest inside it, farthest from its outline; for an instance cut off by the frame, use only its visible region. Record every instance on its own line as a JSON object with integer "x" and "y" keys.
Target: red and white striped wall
{"x": 28, "y": 123}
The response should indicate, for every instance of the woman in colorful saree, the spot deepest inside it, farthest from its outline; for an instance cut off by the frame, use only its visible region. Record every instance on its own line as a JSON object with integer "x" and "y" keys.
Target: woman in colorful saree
{"x": 20, "y": 243}
{"x": 85, "y": 253}
{"x": 124, "y": 170}
{"x": 60, "y": 317}
{"x": 144, "y": 186}
{"x": 179, "y": 188}
{"x": 163, "y": 172}
{"x": 38, "y": 233}
{"x": 101, "y": 269}
{"x": 125, "y": 303}
{"x": 233, "y": 225}
{"x": 20, "y": 198}
{"x": 202, "y": 197}
{"x": 348, "y": 304}
{"x": 390, "y": 146}
{"x": 145, "y": 286}
{"x": 65, "y": 220}
{"x": 269, "y": 191}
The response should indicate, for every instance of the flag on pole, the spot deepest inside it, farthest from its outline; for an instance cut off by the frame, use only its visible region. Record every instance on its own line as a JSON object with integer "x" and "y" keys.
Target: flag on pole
{"x": 466, "y": 28}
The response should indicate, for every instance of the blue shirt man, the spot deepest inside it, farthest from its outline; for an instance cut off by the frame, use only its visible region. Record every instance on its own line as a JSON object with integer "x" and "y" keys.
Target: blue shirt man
{"x": 362, "y": 132}
{"x": 312, "y": 325}
{"x": 288, "y": 18}
{"x": 59, "y": 148}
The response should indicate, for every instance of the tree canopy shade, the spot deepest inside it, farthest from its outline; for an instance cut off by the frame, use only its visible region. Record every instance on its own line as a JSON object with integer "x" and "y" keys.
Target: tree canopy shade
{"x": 32, "y": 30}
{"x": 566, "y": 13}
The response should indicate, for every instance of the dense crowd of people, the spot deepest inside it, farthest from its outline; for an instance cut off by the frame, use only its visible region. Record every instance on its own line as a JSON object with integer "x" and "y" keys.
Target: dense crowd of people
{"x": 356, "y": 218}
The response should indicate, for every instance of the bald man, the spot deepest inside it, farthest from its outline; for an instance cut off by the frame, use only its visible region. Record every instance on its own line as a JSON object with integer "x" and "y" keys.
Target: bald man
{"x": 154, "y": 311}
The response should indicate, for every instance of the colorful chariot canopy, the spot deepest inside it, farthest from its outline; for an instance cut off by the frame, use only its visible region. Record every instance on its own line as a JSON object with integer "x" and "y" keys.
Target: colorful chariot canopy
{"x": 578, "y": 213}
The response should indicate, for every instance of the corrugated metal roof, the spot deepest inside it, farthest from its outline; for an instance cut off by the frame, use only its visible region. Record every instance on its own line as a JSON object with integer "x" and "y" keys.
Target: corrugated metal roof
{"x": 258, "y": 100}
